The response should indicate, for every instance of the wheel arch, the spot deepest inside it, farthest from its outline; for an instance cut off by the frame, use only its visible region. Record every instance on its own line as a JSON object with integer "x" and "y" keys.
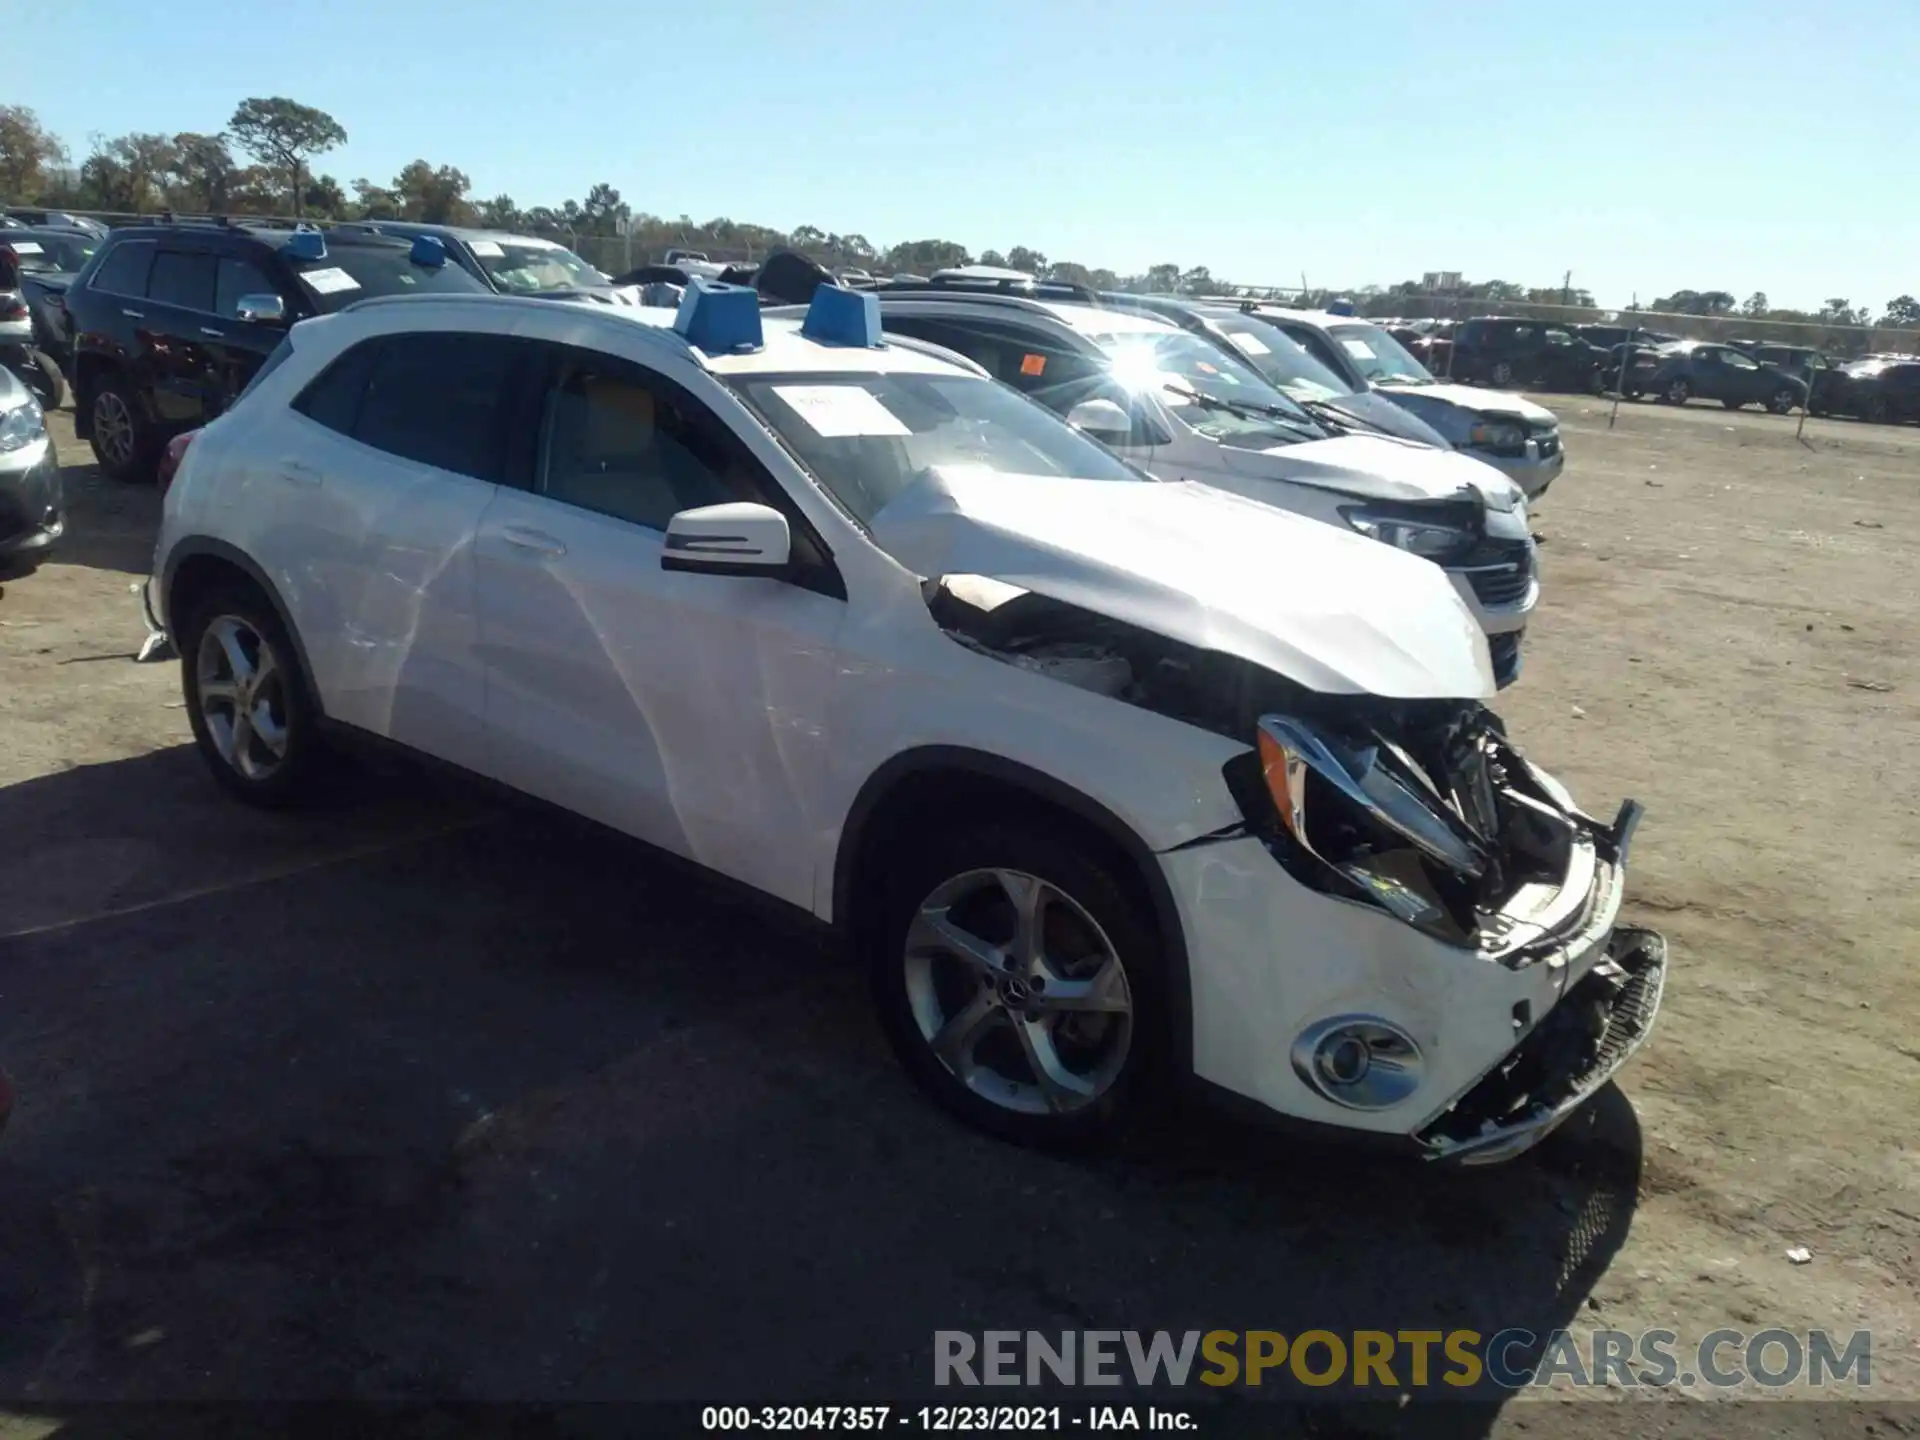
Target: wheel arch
{"x": 990, "y": 784}
{"x": 197, "y": 563}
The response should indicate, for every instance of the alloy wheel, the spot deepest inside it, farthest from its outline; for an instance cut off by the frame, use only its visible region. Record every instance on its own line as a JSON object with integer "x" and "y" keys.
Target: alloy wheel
{"x": 112, "y": 429}
{"x": 243, "y": 697}
{"x": 1678, "y": 392}
{"x": 1018, "y": 992}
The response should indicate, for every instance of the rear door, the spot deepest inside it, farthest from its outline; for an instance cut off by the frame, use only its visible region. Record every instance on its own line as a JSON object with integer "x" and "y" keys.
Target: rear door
{"x": 174, "y": 334}
{"x": 380, "y": 475}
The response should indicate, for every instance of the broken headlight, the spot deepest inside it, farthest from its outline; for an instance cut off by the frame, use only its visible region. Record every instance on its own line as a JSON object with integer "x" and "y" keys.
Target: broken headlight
{"x": 1355, "y": 816}
{"x": 1443, "y": 533}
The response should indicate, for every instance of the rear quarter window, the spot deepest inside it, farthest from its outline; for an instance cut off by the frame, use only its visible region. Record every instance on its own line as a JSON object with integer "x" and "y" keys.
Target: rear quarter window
{"x": 124, "y": 269}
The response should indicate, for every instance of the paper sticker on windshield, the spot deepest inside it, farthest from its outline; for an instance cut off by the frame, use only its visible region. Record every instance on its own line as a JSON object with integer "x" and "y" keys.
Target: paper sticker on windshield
{"x": 330, "y": 281}
{"x": 839, "y": 411}
{"x": 24, "y": 247}
{"x": 1033, "y": 364}
{"x": 1248, "y": 344}
{"x": 1358, "y": 349}
{"x": 487, "y": 249}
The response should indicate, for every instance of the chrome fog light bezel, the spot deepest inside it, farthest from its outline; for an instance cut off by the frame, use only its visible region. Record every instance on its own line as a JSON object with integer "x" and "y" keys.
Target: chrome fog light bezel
{"x": 1393, "y": 1070}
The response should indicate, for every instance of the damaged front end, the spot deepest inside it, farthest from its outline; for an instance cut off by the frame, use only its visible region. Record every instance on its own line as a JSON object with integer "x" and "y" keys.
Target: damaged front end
{"x": 1418, "y": 809}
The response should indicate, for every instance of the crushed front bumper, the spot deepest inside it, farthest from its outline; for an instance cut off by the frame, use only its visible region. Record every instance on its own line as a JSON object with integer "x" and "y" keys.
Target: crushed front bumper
{"x": 1567, "y": 1058}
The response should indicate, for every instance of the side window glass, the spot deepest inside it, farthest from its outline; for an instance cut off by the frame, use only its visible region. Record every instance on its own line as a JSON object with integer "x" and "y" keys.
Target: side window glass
{"x": 622, "y": 443}
{"x": 124, "y": 271}
{"x": 1739, "y": 361}
{"x": 441, "y": 399}
{"x": 183, "y": 278}
{"x": 239, "y": 277}
{"x": 333, "y": 397}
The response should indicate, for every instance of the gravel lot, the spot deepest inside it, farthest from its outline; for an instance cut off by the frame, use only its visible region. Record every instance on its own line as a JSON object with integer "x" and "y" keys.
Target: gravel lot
{"x": 427, "y": 1096}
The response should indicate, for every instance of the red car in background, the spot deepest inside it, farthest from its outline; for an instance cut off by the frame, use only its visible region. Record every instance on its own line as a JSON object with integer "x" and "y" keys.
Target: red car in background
{"x": 170, "y": 458}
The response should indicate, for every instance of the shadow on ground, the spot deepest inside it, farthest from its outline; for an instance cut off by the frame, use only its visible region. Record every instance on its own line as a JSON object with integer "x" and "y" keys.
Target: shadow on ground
{"x": 512, "y": 1111}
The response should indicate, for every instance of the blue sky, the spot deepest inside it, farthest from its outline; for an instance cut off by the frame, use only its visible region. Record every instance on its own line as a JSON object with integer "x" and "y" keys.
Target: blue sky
{"x": 1643, "y": 146}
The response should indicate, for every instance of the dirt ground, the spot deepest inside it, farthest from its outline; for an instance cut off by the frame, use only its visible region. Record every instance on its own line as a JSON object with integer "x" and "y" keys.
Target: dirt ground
{"x": 424, "y": 1096}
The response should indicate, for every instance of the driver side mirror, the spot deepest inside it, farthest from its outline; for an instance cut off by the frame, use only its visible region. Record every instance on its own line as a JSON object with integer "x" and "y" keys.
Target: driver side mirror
{"x": 1103, "y": 420}
{"x": 736, "y": 538}
{"x": 261, "y": 309}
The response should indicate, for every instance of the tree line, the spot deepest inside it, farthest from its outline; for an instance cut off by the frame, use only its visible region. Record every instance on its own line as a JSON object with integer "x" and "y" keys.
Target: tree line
{"x": 262, "y": 163}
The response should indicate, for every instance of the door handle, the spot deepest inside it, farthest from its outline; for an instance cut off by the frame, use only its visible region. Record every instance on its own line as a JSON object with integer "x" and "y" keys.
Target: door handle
{"x": 216, "y": 334}
{"x": 298, "y": 473}
{"x": 134, "y": 314}
{"x": 538, "y": 541}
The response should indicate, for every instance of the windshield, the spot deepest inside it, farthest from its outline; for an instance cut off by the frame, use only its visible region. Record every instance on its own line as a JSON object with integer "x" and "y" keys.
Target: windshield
{"x": 1283, "y": 361}
{"x": 523, "y": 269}
{"x": 58, "y": 254}
{"x": 1184, "y": 371}
{"x": 1380, "y": 357}
{"x": 347, "y": 273}
{"x": 868, "y": 437}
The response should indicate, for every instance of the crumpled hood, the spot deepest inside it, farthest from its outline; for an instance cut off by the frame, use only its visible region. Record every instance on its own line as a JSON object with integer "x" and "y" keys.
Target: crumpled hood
{"x": 1375, "y": 468}
{"x": 1331, "y": 610}
{"x": 1474, "y": 398}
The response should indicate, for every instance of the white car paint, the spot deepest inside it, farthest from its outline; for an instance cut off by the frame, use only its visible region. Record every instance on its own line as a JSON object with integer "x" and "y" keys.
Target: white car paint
{"x": 735, "y": 720}
{"x": 1201, "y": 565}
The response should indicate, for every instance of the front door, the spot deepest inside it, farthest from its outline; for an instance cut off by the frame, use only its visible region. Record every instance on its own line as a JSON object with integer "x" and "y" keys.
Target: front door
{"x": 685, "y": 709}
{"x": 237, "y": 347}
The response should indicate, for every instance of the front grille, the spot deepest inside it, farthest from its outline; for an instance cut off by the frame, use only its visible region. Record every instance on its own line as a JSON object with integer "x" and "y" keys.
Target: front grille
{"x": 1505, "y": 650}
{"x": 1498, "y": 570}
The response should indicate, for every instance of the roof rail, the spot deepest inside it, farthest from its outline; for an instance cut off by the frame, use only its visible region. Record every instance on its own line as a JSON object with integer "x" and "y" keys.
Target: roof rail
{"x": 973, "y": 295}
{"x": 969, "y": 285}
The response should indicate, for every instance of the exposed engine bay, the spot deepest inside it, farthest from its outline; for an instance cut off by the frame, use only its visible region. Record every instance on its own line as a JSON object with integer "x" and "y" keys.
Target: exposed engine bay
{"x": 1418, "y": 807}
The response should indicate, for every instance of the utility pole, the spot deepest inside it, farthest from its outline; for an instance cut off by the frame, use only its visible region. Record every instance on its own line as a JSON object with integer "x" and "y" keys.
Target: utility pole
{"x": 1566, "y": 288}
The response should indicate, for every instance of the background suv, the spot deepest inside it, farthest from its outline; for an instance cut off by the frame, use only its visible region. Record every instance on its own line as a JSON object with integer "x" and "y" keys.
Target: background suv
{"x": 507, "y": 263}
{"x": 1494, "y": 351}
{"x": 171, "y": 322}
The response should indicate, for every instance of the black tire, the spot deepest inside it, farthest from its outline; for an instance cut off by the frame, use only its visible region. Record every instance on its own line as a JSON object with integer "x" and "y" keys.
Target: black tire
{"x": 1678, "y": 392}
{"x": 39, "y": 373}
{"x": 130, "y": 454}
{"x": 291, "y": 778}
{"x": 1781, "y": 402}
{"x": 1078, "y": 868}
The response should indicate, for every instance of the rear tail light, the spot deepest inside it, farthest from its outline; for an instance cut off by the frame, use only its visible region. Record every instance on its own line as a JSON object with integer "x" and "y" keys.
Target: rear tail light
{"x": 12, "y": 307}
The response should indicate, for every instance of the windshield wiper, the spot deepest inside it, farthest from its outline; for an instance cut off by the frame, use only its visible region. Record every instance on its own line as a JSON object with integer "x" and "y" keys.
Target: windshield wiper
{"x": 1329, "y": 413}
{"x": 1245, "y": 409}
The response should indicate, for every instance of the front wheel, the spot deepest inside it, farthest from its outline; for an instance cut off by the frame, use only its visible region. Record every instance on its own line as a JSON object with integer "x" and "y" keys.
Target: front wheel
{"x": 1678, "y": 392}
{"x": 1501, "y": 373}
{"x": 1782, "y": 402}
{"x": 1020, "y": 985}
{"x": 248, "y": 705}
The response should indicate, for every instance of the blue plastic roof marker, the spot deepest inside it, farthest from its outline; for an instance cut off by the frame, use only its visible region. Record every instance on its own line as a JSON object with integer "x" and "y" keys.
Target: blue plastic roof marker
{"x": 428, "y": 250}
{"x": 307, "y": 244}
{"x": 843, "y": 317}
{"x": 718, "y": 318}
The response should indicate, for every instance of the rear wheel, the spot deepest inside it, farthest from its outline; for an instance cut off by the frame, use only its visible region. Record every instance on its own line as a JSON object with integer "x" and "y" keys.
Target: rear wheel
{"x": 124, "y": 440}
{"x": 1501, "y": 373}
{"x": 1019, "y": 984}
{"x": 1678, "y": 392}
{"x": 1782, "y": 401}
{"x": 252, "y": 718}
